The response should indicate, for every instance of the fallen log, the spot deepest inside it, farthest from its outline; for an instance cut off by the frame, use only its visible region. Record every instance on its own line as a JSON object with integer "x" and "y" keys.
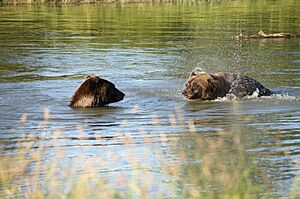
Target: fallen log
{"x": 262, "y": 35}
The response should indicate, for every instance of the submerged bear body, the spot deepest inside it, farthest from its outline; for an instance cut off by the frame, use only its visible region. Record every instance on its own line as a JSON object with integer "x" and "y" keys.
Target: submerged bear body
{"x": 206, "y": 86}
{"x": 95, "y": 92}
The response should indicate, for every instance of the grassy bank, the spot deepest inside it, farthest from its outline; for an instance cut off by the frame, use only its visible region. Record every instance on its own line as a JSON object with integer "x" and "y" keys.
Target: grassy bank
{"x": 17, "y": 2}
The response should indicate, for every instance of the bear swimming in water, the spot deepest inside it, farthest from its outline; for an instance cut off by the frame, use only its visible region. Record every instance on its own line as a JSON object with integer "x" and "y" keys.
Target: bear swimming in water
{"x": 206, "y": 86}
{"x": 95, "y": 92}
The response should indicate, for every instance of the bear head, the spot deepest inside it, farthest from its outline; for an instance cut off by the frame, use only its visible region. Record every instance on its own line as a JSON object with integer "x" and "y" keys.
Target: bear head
{"x": 206, "y": 86}
{"x": 95, "y": 92}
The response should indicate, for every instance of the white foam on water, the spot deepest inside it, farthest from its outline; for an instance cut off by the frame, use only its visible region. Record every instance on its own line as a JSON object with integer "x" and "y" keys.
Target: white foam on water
{"x": 254, "y": 96}
{"x": 282, "y": 97}
{"x": 227, "y": 98}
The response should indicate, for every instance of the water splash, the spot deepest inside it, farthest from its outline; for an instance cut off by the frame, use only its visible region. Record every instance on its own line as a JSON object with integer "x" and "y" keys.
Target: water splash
{"x": 198, "y": 69}
{"x": 227, "y": 98}
{"x": 254, "y": 96}
{"x": 283, "y": 97}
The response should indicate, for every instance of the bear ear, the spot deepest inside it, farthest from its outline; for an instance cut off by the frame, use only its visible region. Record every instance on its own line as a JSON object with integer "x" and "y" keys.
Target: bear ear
{"x": 98, "y": 80}
{"x": 88, "y": 76}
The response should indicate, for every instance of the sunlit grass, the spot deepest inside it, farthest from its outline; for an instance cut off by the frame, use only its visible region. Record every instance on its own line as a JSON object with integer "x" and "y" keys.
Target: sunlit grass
{"x": 224, "y": 170}
{"x": 192, "y": 2}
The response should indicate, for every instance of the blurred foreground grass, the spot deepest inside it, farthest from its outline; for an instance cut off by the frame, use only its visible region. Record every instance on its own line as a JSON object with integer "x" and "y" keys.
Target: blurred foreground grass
{"x": 223, "y": 171}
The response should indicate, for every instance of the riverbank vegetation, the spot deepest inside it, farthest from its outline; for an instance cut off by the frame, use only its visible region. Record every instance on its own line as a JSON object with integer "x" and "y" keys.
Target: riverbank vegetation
{"x": 223, "y": 169}
{"x": 192, "y": 2}
{"x": 15, "y": 2}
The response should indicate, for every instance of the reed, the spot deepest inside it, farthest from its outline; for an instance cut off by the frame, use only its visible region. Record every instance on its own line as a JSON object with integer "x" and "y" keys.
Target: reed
{"x": 192, "y": 2}
{"x": 224, "y": 171}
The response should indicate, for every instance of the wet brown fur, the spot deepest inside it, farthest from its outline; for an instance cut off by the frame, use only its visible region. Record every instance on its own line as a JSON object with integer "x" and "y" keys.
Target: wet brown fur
{"x": 206, "y": 86}
{"x": 95, "y": 92}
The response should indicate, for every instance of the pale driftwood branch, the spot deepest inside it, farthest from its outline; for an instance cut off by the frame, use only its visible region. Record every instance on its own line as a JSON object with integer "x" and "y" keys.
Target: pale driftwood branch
{"x": 262, "y": 35}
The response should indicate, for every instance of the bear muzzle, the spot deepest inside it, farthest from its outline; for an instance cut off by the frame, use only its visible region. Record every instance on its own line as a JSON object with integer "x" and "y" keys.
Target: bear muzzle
{"x": 119, "y": 96}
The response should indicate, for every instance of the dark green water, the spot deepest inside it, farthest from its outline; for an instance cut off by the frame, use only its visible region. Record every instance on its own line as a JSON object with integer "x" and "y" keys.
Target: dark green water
{"x": 148, "y": 50}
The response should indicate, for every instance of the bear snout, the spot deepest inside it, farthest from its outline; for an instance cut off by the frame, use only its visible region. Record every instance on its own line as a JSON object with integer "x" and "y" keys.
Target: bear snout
{"x": 187, "y": 94}
{"x": 119, "y": 95}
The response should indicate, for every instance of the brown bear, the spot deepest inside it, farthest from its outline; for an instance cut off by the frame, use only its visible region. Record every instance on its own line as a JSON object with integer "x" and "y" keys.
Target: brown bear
{"x": 206, "y": 86}
{"x": 95, "y": 92}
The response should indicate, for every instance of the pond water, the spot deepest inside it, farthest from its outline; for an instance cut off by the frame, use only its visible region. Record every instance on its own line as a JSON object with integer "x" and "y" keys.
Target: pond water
{"x": 148, "y": 51}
